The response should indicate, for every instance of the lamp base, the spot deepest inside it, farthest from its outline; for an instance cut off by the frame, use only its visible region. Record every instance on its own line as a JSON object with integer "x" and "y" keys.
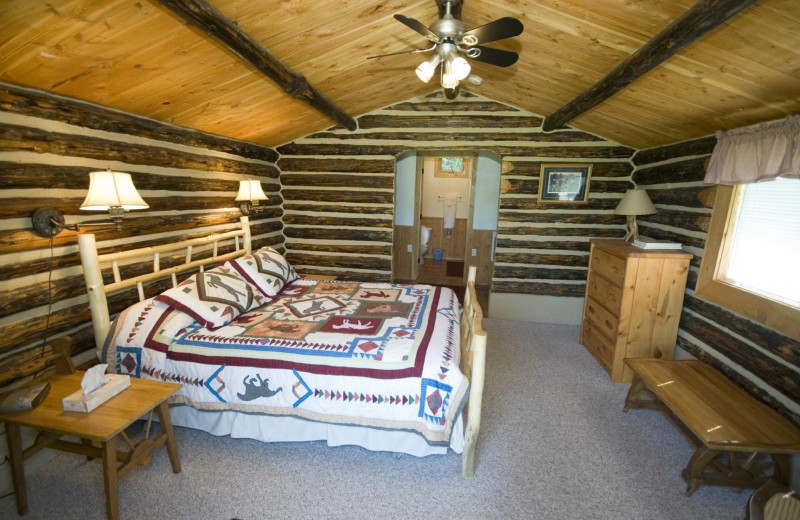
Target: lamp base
{"x": 633, "y": 229}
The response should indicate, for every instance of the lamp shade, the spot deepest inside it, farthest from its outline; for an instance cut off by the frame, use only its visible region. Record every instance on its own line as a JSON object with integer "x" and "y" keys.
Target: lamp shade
{"x": 635, "y": 202}
{"x": 461, "y": 68}
{"x": 109, "y": 189}
{"x": 428, "y": 67}
{"x": 250, "y": 190}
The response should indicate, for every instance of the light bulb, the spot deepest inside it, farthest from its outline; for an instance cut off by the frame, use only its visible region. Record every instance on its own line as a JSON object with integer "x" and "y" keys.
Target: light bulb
{"x": 460, "y": 68}
{"x": 428, "y": 67}
{"x": 449, "y": 79}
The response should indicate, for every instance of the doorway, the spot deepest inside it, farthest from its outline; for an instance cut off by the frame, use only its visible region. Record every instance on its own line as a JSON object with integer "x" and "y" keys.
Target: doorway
{"x": 455, "y": 196}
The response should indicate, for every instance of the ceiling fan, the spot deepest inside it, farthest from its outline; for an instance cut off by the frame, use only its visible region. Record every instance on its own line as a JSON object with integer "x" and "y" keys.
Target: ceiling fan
{"x": 450, "y": 39}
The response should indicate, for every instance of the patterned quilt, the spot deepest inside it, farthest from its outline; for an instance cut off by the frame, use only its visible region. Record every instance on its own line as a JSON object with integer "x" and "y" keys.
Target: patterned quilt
{"x": 367, "y": 354}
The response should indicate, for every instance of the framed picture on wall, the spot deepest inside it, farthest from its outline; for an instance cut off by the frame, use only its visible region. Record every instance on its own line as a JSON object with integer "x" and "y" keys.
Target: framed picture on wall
{"x": 564, "y": 183}
{"x": 452, "y": 166}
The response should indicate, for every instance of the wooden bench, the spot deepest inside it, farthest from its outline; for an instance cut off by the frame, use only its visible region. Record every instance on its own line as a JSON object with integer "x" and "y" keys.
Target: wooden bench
{"x": 738, "y": 440}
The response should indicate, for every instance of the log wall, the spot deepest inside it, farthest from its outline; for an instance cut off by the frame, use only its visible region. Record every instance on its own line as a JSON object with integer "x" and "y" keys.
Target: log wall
{"x": 48, "y": 145}
{"x": 758, "y": 358}
{"x": 339, "y": 191}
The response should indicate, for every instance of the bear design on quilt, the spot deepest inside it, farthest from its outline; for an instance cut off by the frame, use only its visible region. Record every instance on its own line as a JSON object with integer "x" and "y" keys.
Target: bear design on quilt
{"x": 253, "y": 389}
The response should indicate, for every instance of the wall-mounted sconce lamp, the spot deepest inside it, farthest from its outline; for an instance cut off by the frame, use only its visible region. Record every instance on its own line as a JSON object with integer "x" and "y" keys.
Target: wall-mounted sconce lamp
{"x": 250, "y": 194}
{"x": 108, "y": 191}
{"x": 48, "y": 222}
{"x": 113, "y": 192}
{"x": 634, "y": 202}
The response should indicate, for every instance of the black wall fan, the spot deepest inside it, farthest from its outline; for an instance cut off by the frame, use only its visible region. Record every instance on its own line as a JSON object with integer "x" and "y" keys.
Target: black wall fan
{"x": 452, "y": 42}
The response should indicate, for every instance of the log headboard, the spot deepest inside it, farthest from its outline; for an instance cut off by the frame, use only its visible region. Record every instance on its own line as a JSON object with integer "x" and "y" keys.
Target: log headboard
{"x": 98, "y": 290}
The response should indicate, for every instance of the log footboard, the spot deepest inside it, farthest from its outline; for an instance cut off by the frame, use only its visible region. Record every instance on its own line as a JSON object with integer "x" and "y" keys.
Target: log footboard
{"x": 473, "y": 365}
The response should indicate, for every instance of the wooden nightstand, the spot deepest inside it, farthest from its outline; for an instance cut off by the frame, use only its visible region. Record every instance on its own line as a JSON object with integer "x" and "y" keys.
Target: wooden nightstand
{"x": 633, "y": 304}
{"x": 104, "y": 425}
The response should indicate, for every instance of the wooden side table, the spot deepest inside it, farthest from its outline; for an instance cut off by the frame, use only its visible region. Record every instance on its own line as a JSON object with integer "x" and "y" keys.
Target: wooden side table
{"x": 105, "y": 425}
{"x": 737, "y": 439}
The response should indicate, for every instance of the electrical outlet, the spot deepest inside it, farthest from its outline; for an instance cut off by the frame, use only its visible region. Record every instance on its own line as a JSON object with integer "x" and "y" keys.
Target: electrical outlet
{"x": 410, "y": 248}
{"x": 474, "y": 252}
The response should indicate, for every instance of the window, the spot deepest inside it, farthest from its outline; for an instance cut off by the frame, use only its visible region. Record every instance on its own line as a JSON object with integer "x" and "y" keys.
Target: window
{"x": 751, "y": 258}
{"x": 452, "y": 167}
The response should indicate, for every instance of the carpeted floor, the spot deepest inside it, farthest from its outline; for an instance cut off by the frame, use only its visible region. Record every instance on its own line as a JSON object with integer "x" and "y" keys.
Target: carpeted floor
{"x": 554, "y": 445}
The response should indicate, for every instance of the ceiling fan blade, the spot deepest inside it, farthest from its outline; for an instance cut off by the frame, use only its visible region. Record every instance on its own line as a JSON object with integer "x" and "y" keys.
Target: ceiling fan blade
{"x": 499, "y": 29}
{"x": 411, "y": 51}
{"x": 417, "y": 26}
{"x": 497, "y": 57}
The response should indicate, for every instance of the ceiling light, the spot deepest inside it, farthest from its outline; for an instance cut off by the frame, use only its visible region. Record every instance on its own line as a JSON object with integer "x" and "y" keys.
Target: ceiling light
{"x": 427, "y": 68}
{"x": 460, "y": 68}
{"x": 449, "y": 79}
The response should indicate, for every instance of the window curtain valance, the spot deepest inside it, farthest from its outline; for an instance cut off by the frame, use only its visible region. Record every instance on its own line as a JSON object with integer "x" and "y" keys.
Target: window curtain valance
{"x": 753, "y": 154}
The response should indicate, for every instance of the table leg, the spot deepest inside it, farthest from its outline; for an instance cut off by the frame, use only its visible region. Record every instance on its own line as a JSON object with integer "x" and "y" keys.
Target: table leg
{"x": 693, "y": 473}
{"x": 172, "y": 446}
{"x": 14, "y": 441}
{"x": 110, "y": 478}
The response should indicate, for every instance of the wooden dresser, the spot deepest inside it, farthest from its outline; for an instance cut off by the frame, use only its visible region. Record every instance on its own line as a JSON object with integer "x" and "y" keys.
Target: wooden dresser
{"x": 633, "y": 303}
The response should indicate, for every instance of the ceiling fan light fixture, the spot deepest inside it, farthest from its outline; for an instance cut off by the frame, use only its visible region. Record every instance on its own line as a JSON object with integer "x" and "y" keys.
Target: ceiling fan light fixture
{"x": 427, "y": 68}
{"x": 449, "y": 79}
{"x": 460, "y": 68}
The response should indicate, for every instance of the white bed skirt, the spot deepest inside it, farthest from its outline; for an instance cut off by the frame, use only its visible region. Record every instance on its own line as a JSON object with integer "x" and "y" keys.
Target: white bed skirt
{"x": 271, "y": 428}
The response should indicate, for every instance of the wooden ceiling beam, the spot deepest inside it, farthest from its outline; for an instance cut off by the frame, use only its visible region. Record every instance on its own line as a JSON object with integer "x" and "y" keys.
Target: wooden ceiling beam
{"x": 704, "y": 16}
{"x": 211, "y": 22}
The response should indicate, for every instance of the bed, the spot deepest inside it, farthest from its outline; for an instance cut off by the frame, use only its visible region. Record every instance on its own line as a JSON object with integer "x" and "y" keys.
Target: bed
{"x": 265, "y": 353}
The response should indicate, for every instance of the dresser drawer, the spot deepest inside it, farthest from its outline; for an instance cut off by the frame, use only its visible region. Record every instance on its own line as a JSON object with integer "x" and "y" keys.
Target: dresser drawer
{"x": 608, "y": 266}
{"x": 605, "y": 293}
{"x": 601, "y": 318}
{"x": 597, "y": 345}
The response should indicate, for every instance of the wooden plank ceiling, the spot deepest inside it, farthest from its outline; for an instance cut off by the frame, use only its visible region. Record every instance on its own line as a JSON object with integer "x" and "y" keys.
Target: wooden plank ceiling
{"x": 137, "y": 56}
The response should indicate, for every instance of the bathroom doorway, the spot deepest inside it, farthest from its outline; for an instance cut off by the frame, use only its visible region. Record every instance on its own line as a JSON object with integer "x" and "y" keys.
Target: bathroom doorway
{"x": 445, "y": 214}
{"x": 446, "y": 206}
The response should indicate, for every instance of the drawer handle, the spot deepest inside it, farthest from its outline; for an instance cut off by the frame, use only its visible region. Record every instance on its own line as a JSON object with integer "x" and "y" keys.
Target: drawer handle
{"x": 608, "y": 324}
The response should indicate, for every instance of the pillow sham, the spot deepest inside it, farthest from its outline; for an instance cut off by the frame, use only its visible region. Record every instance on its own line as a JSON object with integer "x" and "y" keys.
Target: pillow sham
{"x": 215, "y": 297}
{"x": 266, "y": 268}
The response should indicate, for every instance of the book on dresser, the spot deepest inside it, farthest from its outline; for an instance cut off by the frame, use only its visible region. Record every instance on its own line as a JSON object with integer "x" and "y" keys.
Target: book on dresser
{"x": 633, "y": 304}
{"x": 652, "y": 243}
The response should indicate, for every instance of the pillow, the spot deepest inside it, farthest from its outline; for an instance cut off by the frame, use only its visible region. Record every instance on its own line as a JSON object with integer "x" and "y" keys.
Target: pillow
{"x": 267, "y": 269}
{"x": 213, "y": 298}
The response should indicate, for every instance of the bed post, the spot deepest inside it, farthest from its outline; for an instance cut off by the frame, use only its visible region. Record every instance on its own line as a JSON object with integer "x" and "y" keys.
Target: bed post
{"x": 248, "y": 245}
{"x": 476, "y": 350}
{"x": 98, "y": 305}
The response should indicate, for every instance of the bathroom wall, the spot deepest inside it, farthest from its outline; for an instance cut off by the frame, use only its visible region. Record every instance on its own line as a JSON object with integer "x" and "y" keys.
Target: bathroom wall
{"x": 435, "y": 187}
{"x": 434, "y": 191}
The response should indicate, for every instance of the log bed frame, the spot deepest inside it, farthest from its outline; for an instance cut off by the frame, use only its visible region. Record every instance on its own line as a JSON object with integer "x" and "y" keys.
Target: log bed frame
{"x": 473, "y": 337}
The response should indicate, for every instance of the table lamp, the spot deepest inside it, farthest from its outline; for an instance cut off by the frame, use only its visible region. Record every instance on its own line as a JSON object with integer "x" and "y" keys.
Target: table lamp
{"x": 634, "y": 202}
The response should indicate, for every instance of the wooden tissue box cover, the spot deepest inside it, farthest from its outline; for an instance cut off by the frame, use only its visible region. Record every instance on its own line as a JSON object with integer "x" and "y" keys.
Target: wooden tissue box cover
{"x": 77, "y": 402}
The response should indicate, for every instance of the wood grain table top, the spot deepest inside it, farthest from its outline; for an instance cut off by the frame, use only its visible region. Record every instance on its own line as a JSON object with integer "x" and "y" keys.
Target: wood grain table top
{"x": 102, "y": 423}
{"x": 719, "y": 413}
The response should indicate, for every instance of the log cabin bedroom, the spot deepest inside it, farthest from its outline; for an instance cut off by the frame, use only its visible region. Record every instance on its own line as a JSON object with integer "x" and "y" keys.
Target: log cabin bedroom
{"x": 530, "y": 259}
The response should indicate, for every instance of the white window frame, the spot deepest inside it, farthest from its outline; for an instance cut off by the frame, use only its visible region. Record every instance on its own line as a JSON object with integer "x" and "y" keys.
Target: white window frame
{"x": 711, "y": 282}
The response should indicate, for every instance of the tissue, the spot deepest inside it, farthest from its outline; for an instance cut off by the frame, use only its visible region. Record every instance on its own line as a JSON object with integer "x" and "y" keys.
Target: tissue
{"x": 94, "y": 378}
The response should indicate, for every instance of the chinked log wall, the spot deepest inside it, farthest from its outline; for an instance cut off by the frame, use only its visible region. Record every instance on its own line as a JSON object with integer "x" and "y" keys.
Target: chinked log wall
{"x": 760, "y": 359}
{"x": 338, "y": 188}
{"x": 48, "y": 145}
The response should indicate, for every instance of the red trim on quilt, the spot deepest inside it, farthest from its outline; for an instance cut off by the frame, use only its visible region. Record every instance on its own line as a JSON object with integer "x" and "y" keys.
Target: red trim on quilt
{"x": 175, "y": 304}
{"x": 414, "y": 371}
{"x": 152, "y": 344}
